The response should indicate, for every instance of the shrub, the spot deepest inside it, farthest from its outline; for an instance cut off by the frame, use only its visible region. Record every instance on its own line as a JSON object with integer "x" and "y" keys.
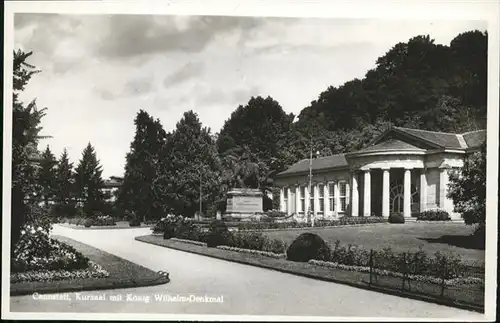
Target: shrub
{"x": 248, "y": 240}
{"x": 434, "y": 215}
{"x": 218, "y": 234}
{"x": 396, "y": 218}
{"x": 308, "y": 246}
{"x": 88, "y": 223}
{"x": 275, "y": 246}
{"x": 134, "y": 222}
{"x": 275, "y": 214}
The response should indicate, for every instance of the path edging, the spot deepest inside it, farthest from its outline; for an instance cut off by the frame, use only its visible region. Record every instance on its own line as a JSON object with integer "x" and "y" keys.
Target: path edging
{"x": 398, "y": 293}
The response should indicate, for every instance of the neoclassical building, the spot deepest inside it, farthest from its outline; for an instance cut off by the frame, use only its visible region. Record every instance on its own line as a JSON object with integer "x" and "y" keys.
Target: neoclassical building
{"x": 404, "y": 170}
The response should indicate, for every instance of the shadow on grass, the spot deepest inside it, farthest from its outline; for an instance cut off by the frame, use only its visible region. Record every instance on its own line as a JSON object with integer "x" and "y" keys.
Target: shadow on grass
{"x": 461, "y": 241}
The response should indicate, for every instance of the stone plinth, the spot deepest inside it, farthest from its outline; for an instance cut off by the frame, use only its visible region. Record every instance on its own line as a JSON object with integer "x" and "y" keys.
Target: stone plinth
{"x": 243, "y": 204}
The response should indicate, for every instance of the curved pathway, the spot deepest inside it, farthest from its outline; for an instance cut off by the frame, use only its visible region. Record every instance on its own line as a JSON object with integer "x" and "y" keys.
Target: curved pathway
{"x": 246, "y": 290}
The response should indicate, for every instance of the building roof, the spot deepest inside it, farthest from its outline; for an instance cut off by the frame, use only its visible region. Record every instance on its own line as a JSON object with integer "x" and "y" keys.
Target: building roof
{"x": 391, "y": 144}
{"x": 394, "y": 139}
{"x": 447, "y": 140}
{"x": 474, "y": 139}
{"x": 328, "y": 162}
{"x": 112, "y": 183}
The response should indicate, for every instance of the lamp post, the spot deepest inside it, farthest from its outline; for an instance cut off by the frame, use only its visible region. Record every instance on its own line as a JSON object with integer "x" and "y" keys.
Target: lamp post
{"x": 311, "y": 216}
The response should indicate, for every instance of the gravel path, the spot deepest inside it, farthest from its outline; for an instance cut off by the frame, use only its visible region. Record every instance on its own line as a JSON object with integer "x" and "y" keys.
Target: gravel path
{"x": 243, "y": 290}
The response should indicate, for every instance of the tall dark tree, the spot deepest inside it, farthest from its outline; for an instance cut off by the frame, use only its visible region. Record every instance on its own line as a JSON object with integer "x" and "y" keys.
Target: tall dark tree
{"x": 258, "y": 129}
{"x": 65, "y": 188}
{"x": 467, "y": 188}
{"x": 189, "y": 165}
{"x": 46, "y": 176}
{"x": 26, "y": 120}
{"x": 136, "y": 194}
{"x": 89, "y": 183}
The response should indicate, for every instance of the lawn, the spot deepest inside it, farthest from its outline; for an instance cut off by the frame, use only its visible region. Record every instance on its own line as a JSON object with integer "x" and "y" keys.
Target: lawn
{"x": 432, "y": 237}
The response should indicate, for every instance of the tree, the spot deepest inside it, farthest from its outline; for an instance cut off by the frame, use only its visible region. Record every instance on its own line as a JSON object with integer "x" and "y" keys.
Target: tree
{"x": 467, "y": 188}
{"x": 136, "y": 194}
{"x": 26, "y": 120}
{"x": 46, "y": 176}
{"x": 189, "y": 162}
{"x": 65, "y": 188}
{"x": 88, "y": 182}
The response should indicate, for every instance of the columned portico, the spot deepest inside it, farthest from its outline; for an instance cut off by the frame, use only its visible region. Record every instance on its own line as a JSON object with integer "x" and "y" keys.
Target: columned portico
{"x": 289, "y": 201}
{"x": 297, "y": 199}
{"x": 367, "y": 193}
{"x": 423, "y": 190}
{"x": 407, "y": 193}
{"x": 385, "y": 192}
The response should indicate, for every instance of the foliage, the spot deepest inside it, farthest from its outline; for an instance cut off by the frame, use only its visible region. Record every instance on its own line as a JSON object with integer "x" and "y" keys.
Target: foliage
{"x": 467, "y": 188}
{"x": 36, "y": 251}
{"x": 134, "y": 222}
{"x": 26, "y": 129}
{"x": 318, "y": 223}
{"x": 88, "y": 223}
{"x": 218, "y": 234}
{"x": 136, "y": 194}
{"x": 93, "y": 271}
{"x": 396, "y": 217}
{"x": 88, "y": 181}
{"x": 308, "y": 246}
{"x": 188, "y": 162}
{"x": 46, "y": 176}
{"x": 434, "y": 215}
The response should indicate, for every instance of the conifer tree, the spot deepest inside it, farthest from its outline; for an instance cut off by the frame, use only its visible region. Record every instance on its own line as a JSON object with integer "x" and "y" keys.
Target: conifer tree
{"x": 88, "y": 182}
{"x": 65, "y": 188}
{"x": 46, "y": 176}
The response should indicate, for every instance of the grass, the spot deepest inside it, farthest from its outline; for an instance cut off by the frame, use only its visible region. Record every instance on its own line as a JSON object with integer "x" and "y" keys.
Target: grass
{"x": 122, "y": 274}
{"x": 466, "y": 298}
{"x": 432, "y": 237}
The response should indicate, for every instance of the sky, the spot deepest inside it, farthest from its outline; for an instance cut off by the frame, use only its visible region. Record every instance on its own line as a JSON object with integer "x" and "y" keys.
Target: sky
{"x": 98, "y": 71}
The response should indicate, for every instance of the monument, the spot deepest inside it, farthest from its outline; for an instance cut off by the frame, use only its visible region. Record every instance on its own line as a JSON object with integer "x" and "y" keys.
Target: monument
{"x": 243, "y": 204}
{"x": 245, "y": 200}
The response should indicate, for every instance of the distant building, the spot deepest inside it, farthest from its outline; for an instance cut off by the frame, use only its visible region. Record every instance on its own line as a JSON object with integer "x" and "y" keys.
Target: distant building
{"x": 112, "y": 185}
{"x": 403, "y": 171}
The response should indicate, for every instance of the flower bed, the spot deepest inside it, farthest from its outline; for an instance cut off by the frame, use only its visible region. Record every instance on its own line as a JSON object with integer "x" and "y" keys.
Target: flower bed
{"x": 318, "y": 223}
{"x": 198, "y": 243}
{"x": 383, "y": 272}
{"x": 93, "y": 271}
{"x": 255, "y": 252}
{"x": 37, "y": 251}
{"x": 434, "y": 215}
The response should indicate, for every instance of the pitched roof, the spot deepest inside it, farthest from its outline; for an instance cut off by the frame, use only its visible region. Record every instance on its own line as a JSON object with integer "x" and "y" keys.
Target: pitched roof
{"x": 474, "y": 139}
{"x": 391, "y": 144}
{"x": 328, "y": 162}
{"x": 442, "y": 139}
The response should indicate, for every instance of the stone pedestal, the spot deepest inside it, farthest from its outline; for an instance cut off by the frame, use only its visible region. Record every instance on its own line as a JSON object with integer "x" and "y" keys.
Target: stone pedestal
{"x": 243, "y": 204}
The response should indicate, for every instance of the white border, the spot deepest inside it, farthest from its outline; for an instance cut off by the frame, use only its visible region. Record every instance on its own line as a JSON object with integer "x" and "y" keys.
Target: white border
{"x": 383, "y": 9}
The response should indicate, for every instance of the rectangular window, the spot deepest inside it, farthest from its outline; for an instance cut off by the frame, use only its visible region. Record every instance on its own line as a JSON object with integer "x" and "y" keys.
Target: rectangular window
{"x": 331, "y": 196}
{"x": 302, "y": 200}
{"x": 321, "y": 198}
{"x": 285, "y": 199}
{"x": 311, "y": 199}
{"x": 343, "y": 196}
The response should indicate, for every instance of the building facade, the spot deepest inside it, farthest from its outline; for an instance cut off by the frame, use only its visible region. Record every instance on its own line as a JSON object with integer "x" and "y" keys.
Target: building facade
{"x": 403, "y": 171}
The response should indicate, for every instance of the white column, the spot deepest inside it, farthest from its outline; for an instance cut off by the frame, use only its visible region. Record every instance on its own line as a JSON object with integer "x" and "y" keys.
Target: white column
{"x": 443, "y": 188}
{"x": 282, "y": 199}
{"x": 289, "y": 201}
{"x": 367, "y": 193}
{"x": 336, "y": 199}
{"x": 423, "y": 190}
{"x": 316, "y": 198}
{"x": 306, "y": 199}
{"x": 297, "y": 199}
{"x": 407, "y": 194}
{"x": 386, "y": 180}
{"x": 355, "y": 198}
{"x": 326, "y": 200}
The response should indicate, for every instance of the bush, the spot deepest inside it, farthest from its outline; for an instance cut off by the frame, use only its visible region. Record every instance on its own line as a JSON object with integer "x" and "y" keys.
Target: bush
{"x": 396, "y": 218}
{"x": 134, "y": 222}
{"x": 434, "y": 215}
{"x": 308, "y": 246}
{"x": 275, "y": 214}
{"x": 218, "y": 234}
{"x": 248, "y": 240}
{"x": 88, "y": 223}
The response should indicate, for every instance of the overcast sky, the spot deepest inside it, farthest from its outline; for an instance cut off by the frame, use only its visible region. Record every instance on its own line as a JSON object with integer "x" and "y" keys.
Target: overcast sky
{"x": 99, "y": 70}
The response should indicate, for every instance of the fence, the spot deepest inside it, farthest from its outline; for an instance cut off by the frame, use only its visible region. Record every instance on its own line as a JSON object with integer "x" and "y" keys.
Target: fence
{"x": 448, "y": 280}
